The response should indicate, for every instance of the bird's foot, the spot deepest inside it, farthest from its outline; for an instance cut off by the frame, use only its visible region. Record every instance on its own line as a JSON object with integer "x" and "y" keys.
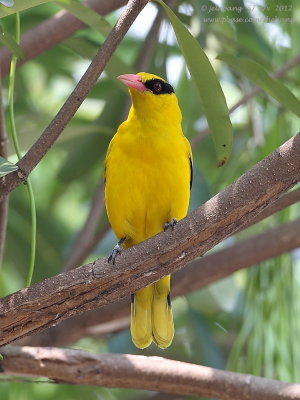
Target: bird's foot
{"x": 170, "y": 224}
{"x": 116, "y": 251}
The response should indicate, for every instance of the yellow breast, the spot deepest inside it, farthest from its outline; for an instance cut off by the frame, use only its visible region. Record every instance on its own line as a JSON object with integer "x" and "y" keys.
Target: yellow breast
{"x": 147, "y": 179}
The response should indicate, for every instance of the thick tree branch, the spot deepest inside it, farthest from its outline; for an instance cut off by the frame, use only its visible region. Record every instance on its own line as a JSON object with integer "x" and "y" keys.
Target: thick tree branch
{"x": 52, "y": 132}
{"x": 85, "y": 242}
{"x": 140, "y": 372}
{"x": 200, "y": 273}
{"x": 53, "y": 31}
{"x": 97, "y": 284}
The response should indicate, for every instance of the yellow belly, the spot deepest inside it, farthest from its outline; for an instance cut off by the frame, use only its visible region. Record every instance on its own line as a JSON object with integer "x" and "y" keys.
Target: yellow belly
{"x": 147, "y": 185}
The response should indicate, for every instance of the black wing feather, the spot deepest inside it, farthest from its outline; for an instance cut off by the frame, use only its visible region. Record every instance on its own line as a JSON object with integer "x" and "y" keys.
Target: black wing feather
{"x": 191, "y": 167}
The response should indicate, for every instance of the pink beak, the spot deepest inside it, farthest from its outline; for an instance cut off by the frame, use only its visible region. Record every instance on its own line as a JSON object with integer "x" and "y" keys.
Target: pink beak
{"x": 133, "y": 81}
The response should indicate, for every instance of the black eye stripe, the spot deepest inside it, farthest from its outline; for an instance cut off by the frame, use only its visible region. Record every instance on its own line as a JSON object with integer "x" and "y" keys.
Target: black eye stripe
{"x": 158, "y": 86}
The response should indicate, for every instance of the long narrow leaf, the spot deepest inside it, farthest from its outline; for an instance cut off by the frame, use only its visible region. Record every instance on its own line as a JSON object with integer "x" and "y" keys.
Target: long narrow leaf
{"x": 256, "y": 73}
{"x": 86, "y": 15}
{"x": 116, "y": 65}
{"x": 20, "y": 5}
{"x": 211, "y": 94}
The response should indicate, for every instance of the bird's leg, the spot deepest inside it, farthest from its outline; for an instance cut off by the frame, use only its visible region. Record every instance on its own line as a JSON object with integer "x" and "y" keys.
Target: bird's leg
{"x": 170, "y": 224}
{"x": 116, "y": 251}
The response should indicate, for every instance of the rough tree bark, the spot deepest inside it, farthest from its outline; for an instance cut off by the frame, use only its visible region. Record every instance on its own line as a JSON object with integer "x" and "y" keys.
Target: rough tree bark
{"x": 140, "y": 372}
{"x": 200, "y": 273}
{"x": 97, "y": 284}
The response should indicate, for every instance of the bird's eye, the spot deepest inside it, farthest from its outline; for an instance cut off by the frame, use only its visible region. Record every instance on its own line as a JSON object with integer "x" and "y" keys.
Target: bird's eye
{"x": 157, "y": 87}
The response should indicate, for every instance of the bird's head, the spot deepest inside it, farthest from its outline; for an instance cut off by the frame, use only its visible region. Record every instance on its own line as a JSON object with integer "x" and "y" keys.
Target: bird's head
{"x": 152, "y": 97}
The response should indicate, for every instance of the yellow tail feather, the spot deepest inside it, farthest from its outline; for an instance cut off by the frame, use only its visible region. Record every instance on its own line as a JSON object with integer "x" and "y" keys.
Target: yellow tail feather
{"x": 141, "y": 326}
{"x": 162, "y": 317}
{"x": 151, "y": 315}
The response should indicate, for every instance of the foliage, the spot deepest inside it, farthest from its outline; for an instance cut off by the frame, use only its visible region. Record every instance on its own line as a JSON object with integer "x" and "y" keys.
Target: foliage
{"x": 252, "y": 312}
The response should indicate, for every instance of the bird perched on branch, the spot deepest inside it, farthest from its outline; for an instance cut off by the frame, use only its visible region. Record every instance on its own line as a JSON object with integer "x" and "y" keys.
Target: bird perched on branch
{"x": 148, "y": 175}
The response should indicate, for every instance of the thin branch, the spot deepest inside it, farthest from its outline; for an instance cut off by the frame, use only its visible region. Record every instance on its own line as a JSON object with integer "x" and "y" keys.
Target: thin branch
{"x": 97, "y": 284}
{"x": 4, "y": 202}
{"x": 140, "y": 372}
{"x": 53, "y": 31}
{"x": 278, "y": 73}
{"x": 200, "y": 273}
{"x": 57, "y": 125}
{"x": 108, "y": 328}
{"x": 81, "y": 245}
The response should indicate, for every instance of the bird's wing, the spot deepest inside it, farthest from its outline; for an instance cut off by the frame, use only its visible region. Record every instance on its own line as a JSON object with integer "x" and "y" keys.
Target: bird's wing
{"x": 190, "y": 156}
{"x": 191, "y": 167}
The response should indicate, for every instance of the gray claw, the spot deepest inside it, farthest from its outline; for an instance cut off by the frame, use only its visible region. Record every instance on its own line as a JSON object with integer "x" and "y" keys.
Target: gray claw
{"x": 170, "y": 224}
{"x": 116, "y": 251}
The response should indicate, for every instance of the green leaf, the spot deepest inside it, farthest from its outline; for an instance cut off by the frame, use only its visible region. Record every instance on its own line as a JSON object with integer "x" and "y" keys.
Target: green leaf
{"x": 81, "y": 47}
{"x": 256, "y": 73}
{"x": 10, "y": 42}
{"x": 20, "y": 5}
{"x": 86, "y": 15}
{"x": 116, "y": 65}
{"x": 6, "y": 167}
{"x": 211, "y": 95}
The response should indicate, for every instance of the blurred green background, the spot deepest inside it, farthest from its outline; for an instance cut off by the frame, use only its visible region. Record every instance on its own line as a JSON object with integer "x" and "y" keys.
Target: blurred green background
{"x": 249, "y": 322}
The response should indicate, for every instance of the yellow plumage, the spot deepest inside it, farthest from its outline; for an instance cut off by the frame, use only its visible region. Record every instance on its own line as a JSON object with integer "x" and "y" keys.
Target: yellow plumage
{"x": 148, "y": 173}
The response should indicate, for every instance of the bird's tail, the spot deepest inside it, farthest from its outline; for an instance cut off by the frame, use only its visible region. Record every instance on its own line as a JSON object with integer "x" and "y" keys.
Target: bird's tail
{"x": 151, "y": 315}
{"x": 141, "y": 326}
{"x": 162, "y": 317}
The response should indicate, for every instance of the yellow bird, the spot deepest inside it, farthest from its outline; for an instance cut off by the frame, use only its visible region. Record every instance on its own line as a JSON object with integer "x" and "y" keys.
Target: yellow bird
{"x": 148, "y": 175}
